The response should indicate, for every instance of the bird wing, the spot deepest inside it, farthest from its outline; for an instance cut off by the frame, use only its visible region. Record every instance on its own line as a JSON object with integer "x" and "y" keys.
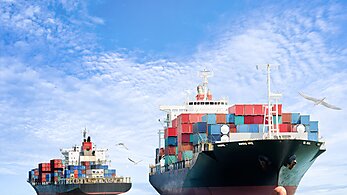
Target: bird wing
{"x": 138, "y": 161}
{"x": 330, "y": 106}
{"x": 131, "y": 160}
{"x": 309, "y": 98}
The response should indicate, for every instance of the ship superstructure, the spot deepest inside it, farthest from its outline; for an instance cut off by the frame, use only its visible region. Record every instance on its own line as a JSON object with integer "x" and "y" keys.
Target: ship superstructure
{"x": 212, "y": 147}
{"x": 83, "y": 170}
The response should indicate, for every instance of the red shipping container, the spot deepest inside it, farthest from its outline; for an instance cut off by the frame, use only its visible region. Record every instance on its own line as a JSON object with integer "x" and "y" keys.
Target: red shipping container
{"x": 248, "y": 109}
{"x": 179, "y": 156}
{"x": 171, "y": 131}
{"x": 221, "y": 119}
{"x": 237, "y": 109}
{"x": 170, "y": 150}
{"x": 186, "y": 137}
{"x": 279, "y": 109}
{"x": 248, "y": 119}
{"x": 183, "y": 118}
{"x": 285, "y": 127}
{"x": 186, "y": 147}
{"x": 194, "y": 118}
{"x": 258, "y": 109}
{"x": 174, "y": 123}
{"x": 286, "y": 118}
{"x": 186, "y": 128}
{"x": 258, "y": 119}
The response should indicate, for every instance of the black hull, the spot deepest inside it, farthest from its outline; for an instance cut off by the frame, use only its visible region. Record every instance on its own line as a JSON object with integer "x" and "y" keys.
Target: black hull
{"x": 253, "y": 167}
{"x": 82, "y": 189}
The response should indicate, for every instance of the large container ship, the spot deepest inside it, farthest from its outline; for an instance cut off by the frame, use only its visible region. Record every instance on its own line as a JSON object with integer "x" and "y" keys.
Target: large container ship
{"x": 83, "y": 170}
{"x": 213, "y": 148}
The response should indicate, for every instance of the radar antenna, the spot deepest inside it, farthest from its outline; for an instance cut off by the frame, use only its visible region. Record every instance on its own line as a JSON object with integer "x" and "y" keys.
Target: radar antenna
{"x": 84, "y": 133}
{"x": 205, "y": 74}
{"x": 268, "y": 112}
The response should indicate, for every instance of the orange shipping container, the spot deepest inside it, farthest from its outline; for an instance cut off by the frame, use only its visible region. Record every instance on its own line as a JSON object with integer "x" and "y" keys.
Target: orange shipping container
{"x": 221, "y": 119}
{"x": 285, "y": 127}
{"x": 286, "y": 118}
{"x": 186, "y": 147}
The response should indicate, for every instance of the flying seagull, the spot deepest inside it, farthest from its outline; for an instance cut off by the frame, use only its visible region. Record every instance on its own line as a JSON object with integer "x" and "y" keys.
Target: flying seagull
{"x": 123, "y": 145}
{"x": 135, "y": 163}
{"x": 320, "y": 101}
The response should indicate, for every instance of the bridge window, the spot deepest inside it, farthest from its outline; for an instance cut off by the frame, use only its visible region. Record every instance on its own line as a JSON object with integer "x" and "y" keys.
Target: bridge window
{"x": 190, "y": 103}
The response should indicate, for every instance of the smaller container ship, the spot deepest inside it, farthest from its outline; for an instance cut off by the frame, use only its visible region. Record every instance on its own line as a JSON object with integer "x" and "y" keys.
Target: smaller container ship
{"x": 83, "y": 170}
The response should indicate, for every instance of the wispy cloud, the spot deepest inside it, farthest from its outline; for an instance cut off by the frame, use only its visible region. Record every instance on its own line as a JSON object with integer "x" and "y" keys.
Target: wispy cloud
{"x": 46, "y": 101}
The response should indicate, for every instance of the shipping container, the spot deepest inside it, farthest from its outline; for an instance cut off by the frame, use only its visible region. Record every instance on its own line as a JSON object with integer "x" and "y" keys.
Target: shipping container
{"x": 185, "y": 137}
{"x": 239, "y": 120}
{"x": 263, "y": 128}
{"x": 184, "y": 128}
{"x": 170, "y": 132}
{"x": 237, "y": 109}
{"x": 313, "y": 126}
{"x": 248, "y": 109}
{"x": 285, "y": 128}
{"x": 286, "y": 118}
{"x": 200, "y": 127}
{"x": 171, "y": 141}
{"x": 295, "y": 118}
{"x": 230, "y": 118}
{"x": 199, "y": 138}
{"x": 232, "y": 128}
{"x": 258, "y": 119}
{"x": 305, "y": 119}
{"x": 213, "y": 138}
{"x": 187, "y": 155}
{"x": 186, "y": 146}
{"x": 170, "y": 159}
{"x": 209, "y": 118}
{"x": 214, "y": 129}
{"x": 258, "y": 109}
{"x": 170, "y": 150}
{"x": 221, "y": 118}
{"x": 313, "y": 136}
{"x": 174, "y": 123}
{"x": 248, "y": 120}
{"x": 279, "y": 120}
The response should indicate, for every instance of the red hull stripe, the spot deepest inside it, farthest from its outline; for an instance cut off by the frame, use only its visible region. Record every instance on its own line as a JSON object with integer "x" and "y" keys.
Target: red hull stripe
{"x": 241, "y": 190}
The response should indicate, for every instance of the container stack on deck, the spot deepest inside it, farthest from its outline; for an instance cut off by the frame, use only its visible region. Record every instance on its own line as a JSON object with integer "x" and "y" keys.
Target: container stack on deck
{"x": 54, "y": 172}
{"x": 188, "y": 130}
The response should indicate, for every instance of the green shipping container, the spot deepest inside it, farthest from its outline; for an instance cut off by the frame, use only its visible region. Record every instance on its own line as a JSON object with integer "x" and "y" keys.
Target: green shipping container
{"x": 187, "y": 155}
{"x": 239, "y": 120}
{"x": 279, "y": 120}
{"x": 170, "y": 159}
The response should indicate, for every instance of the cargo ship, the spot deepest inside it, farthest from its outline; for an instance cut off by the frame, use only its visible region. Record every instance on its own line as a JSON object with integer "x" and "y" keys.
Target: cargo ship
{"x": 83, "y": 170}
{"x": 213, "y": 148}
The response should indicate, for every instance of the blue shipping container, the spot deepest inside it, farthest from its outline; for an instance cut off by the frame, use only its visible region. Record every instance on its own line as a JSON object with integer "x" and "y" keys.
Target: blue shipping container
{"x": 305, "y": 119}
{"x": 199, "y": 138}
{"x": 213, "y": 138}
{"x": 242, "y": 128}
{"x": 171, "y": 141}
{"x": 200, "y": 127}
{"x": 295, "y": 118}
{"x": 209, "y": 118}
{"x": 214, "y": 129}
{"x": 313, "y": 126}
{"x": 254, "y": 128}
{"x": 313, "y": 136}
{"x": 261, "y": 128}
{"x": 230, "y": 118}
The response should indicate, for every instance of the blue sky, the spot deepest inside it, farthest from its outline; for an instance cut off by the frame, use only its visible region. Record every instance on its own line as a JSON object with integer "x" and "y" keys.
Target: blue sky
{"x": 108, "y": 65}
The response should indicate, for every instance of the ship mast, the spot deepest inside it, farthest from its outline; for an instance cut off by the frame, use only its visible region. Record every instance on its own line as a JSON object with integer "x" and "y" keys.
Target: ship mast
{"x": 268, "y": 112}
{"x": 205, "y": 74}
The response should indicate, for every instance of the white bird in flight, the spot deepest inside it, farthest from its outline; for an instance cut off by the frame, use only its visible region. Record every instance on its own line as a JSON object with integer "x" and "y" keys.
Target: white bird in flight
{"x": 320, "y": 101}
{"x": 135, "y": 163}
{"x": 123, "y": 145}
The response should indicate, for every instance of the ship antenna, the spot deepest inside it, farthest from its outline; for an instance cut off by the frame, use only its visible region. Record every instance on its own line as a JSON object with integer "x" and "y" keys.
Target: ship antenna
{"x": 268, "y": 112}
{"x": 205, "y": 74}
{"x": 84, "y": 133}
